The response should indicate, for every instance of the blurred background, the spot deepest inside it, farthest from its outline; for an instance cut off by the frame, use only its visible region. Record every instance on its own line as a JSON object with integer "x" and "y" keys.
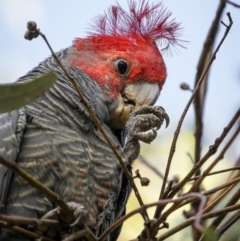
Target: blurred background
{"x": 62, "y": 21}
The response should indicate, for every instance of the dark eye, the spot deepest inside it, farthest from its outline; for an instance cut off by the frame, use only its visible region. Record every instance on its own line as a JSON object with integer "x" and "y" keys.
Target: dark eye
{"x": 122, "y": 66}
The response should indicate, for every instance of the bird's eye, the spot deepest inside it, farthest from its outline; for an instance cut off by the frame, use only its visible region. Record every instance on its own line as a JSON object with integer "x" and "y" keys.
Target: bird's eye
{"x": 122, "y": 66}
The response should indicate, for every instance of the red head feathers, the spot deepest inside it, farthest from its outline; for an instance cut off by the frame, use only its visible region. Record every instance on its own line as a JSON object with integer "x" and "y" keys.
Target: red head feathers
{"x": 129, "y": 36}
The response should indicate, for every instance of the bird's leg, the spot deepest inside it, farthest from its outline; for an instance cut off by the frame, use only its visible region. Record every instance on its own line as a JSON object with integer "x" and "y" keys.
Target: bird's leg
{"x": 142, "y": 125}
{"x": 66, "y": 224}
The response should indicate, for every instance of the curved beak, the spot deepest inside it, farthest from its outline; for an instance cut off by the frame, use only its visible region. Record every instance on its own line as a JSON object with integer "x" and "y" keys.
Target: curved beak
{"x": 141, "y": 93}
{"x": 133, "y": 95}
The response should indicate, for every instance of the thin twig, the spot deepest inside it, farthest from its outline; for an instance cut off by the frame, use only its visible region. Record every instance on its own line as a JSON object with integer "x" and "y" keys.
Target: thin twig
{"x": 219, "y": 157}
{"x": 216, "y": 197}
{"x": 25, "y": 232}
{"x": 174, "y": 207}
{"x": 207, "y": 193}
{"x": 76, "y": 235}
{"x": 220, "y": 187}
{"x": 86, "y": 233}
{"x": 176, "y": 134}
{"x": 233, "y": 200}
{"x": 234, "y": 4}
{"x": 169, "y": 188}
{"x": 200, "y": 96}
{"x": 149, "y": 165}
{"x": 203, "y": 200}
{"x": 159, "y": 203}
{"x": 228, "y": 223}
{"x": 184, "y": 202}
{"x": 211, "y": 151}
{"x": 98, "y": 124}
{"x": 191, "y": 220}
{"x": 217, "y": 172}
{"x": 190, "y": 157}
{"x": 17, "y": 220}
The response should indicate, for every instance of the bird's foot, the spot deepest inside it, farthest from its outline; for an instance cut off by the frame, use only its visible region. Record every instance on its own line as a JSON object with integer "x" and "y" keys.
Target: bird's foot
{"x": 62, "y": 225}
{"x": 142, "y": 125}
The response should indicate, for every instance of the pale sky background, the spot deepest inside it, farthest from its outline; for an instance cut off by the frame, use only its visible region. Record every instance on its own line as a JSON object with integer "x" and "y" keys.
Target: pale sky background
{"x": 62, "y": 21}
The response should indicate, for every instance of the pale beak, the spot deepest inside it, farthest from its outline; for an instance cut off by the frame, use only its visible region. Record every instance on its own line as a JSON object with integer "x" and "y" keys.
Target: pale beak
{"x": 134, "y": 95}
{"x": 141, "y": 93}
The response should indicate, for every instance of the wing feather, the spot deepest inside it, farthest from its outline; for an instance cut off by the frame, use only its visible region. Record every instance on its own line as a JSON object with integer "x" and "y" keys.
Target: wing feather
{"x": 12, "y": 127}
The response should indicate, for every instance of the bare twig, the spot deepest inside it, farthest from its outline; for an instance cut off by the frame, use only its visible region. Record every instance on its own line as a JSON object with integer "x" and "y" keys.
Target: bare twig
{"x": 203, "y": 199}
{"x": 76, "y": 235}
{"x": 17, "y": 220}
{"x": 200, "y": 96}
{"x": 191, "y": 220}
{"x": 233, "y": 200}
{"x": 169, "y": 188}
{"x": 173, "y": 146}
{"x": 207, "y": 193}
{"x": 159, "y": 203}
{"x": 211, "y": 151}
{"x": 199, "y": 99}
{"x": 219, "y": 157}
{"x": 220, "y": 187}
{"x": 234, "y": 4}
{"x": 190, "y": 157}
{"x": 228, "y": 223}
{"x": 149, "y": 165}
{"x": 217, "y": 172}
{"x": 216, "y": 197}
{"x": 25, "y": 232}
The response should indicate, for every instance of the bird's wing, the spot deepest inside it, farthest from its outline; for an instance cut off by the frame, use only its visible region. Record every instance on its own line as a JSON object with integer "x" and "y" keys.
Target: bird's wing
{"x": 12, "y": 127}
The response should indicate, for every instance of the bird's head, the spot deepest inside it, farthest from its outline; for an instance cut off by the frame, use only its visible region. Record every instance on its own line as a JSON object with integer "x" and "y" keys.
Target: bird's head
{"x": 122, "y": 55}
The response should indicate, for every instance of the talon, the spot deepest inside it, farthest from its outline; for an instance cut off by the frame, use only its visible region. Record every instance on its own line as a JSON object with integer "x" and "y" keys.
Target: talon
{"x": 167, "y": 119}
{"x": 76, "y": 221}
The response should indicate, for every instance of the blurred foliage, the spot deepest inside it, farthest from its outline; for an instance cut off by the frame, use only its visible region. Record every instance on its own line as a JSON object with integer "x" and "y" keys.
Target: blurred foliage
{"x": 157, "y": 154}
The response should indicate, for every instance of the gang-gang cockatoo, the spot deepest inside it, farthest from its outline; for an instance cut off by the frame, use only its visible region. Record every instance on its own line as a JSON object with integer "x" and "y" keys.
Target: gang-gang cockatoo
{"x": 120, "y": 71}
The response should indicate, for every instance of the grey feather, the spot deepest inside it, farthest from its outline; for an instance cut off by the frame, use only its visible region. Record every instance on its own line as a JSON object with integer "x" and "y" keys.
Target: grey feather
{"x": 12, "y": 127}
{"x": 56, "y": 142}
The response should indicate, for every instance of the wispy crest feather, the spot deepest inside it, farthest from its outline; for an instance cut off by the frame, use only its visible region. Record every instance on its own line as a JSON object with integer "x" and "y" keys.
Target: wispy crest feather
{"x": 152, "y": 21}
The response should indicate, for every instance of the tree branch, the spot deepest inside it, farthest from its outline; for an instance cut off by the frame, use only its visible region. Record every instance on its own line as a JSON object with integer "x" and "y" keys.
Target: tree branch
{"x": 176, "y": 134}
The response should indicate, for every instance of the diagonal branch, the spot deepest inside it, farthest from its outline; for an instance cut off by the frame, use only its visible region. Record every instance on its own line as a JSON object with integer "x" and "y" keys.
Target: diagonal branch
{"x": 216, "y": 172}
{"x": 142, "y": 159}
{"x": 228, "y": 223}
{"x": 201, "y": 94}
{"x": 159, "y": 203}
{"x": 18, "y": 220}
{"x": 211, "y": 151}
{"x": 233, "y": 200}
{"x": 176, "y": 134}
{"x": 25, "y": 232}
{"x": 218, "y": 158}
{"x": 190, "y": 221}
{"x": 234, "y": 4}
{"x": 200, "y": 97}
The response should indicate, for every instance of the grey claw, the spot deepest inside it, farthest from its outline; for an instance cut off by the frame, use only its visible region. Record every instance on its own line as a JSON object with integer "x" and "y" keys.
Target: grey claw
{"x": 76, "y": 221}
{"x": 167, "y": 119}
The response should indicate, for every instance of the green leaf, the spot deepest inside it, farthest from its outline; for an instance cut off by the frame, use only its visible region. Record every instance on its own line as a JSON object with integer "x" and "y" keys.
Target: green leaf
{"x": 16, "y": 95}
